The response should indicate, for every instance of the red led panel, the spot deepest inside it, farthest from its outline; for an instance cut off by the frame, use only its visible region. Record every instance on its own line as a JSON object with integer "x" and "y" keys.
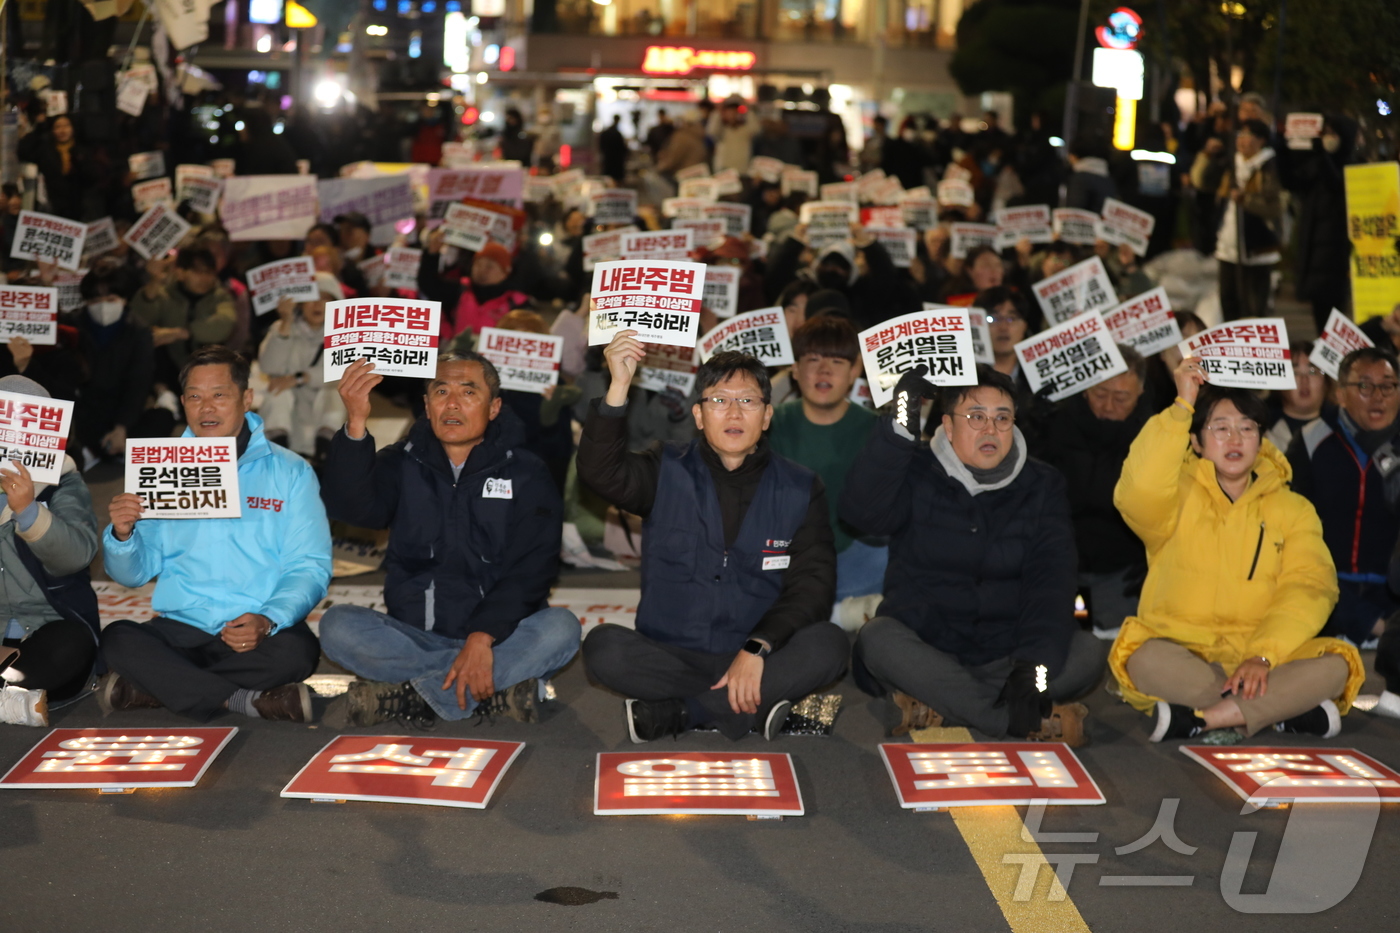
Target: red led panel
{"x": 977, "y": 774}
{"x": 1319, "y": 775}
{"x": 114, "y": 758}
{"x": 441, "y": 772}
{"x": 668, "y": 782}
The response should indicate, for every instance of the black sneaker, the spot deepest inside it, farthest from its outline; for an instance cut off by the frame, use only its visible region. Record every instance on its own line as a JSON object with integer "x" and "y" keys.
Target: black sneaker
{"x": 517, "y": 702}
{"x": 652, "y": 719}
{"x": 1324, "y": 720}
{"x": 777, "y": 718}
{"x": 1176, "y": 722}
{"x": 371, "y": 702}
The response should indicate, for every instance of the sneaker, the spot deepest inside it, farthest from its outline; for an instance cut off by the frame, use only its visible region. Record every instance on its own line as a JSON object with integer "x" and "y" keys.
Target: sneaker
{"x": 913, "y": 715}
{"x": 518, "y": 702}
{"x": 777, "y": 718}
{"x": 370, "y": 702}
{"x": 1324, "y": 720}
{"x": 115, "y": 692}
{"x": 652, "y": 719}
{"x": 21, "y": 707}
{"x": 287, "y": 703}
{"x": 1106, "y": 634}
{"x": 1064, "y": 724}
{"x": 1176, "y": 722}
{"x": 1382, "y": 704}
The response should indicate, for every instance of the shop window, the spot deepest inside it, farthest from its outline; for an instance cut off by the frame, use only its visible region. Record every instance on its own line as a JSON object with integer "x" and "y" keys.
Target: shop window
{"x": 737, "y": 19}
{"x": 822, "y": 20}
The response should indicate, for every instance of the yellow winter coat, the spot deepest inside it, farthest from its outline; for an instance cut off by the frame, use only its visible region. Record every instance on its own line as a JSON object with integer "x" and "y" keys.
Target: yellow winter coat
{"x": 1227, "y": 580}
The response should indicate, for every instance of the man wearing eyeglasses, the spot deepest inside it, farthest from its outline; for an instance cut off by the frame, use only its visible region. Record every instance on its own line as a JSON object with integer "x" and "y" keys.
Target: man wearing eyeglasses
{"x": 1342, "y": 463}
{"x": 738, "y": 561}
{"x": 977, "y": 625}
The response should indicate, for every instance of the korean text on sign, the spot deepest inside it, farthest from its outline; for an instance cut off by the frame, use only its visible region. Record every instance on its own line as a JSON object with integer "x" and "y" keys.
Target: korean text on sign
{"x": 157, "y": 231}
{"x": 1145, "y": 323}
{"x": 445, "y": 772}
{"x": 658, "y": 299}
{"x": 1251, "y": 354}
{"x": 1338, "y": 338}
{"x": 1031, "y": 222}
{"x": 964, "y": 238}
{"x": 34, "y": 431}
{"x": 1123, "y": 223}
{"x": 399, "y": 336}
{"x": 401, "y": 267}
{"x": 696, "y": 782}
{"x": 101, "y": 237}
{"x": 981, "y": 774}
{"x": 1084, "y": 286}
{"x": 657, "y": 244}
{"x": 612, "y": 205}
{"x": 269, "y": 207}
{"x": 762, "y": 334}
{"x": 201, "y": 191}
{"x": 29, "y": 312}
{"x": 1319, "y": 775}
{"x": 118, "y": 758}
{"x": 526, "y": 362}
{"x": 603, "y": 247}
{"x": 467, "y": 227}
{"x": 497, "y": 185}
{"x": 940, "y": 339}
{"x": 828, "y": 222}
{"x": 1076, "y": 355}
{"x": 667, "y": 369}
{"x": 1072, "y": 225}
{"x": 147, "y": 194}
{"x": 184, "y": 477}
{"x": 897, "y": 241}
{"x": 722, "y": 290}
{"x": 53, "y": 239}
{"x": 293, "y": 278}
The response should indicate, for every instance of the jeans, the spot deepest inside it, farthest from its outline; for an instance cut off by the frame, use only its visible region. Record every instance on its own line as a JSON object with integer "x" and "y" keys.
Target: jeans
{"x": 378, "y": 647}
{"x": 860, "y": 570}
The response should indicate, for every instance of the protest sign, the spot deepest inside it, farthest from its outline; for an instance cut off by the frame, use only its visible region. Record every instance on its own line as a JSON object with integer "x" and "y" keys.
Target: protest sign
{"x": 722, "y": 290}
{"x": 48, "y": 238}
{"x": 467, "y": 226}
{"x": 1263, "y": 774}
{"x": 657, "y": 244}
{"x": 1300, "y": 129}
{"x": 897, "y": 241}
{"x": 147, "y": 194}
{"x": 762, "y": 334}
{"x": 865, "y": 184}
{"x": 495, "y": 185}
{"x": 1373, "y": 225}
{"x": 882, "y": 216}
{"x": 766, "y": 169}
{"x": 69, "y": 286}
{"x": 939, "y": 338}
{"x": 372, "y": 268}
{"x": 384, "y": 200}
{"x": 101, "y": 237}
{"x": 888, "y": 191}
{"x": 955, "y": 192}
{"x": 294, "y": 277}
{"x": 702, "y": 189}
{"x": 928, "y": 776}
{"x": 1145, "y": 322}
{"x": 1123, "y": 223}
{"x": 727, "y": 182}
{"x": 1071, "y": 357}
{"x": 657, "y": 298}
{"x": 268, "y": 207}
{"x": 132, "y": 96}
{"x": 698, "y": 170}
{"x": 755, "y": 783}
{"x": 34, "y": 431}
{"x": 1084, "y": 286}
{"x": 145, "y": 165}
{"x": 223, "y": 168}
{"x": 1015, "y": 224}
{"x": 201, "y": 191}
{"x": 1337, "y": 339}
{"x": 667, "y": 369}
{"x": 526, "y": 362}
{"x": 736, "y": 217}
{"x": 1072, "y": 225}
{"x": 957, "y": 172}
{"x": 398, "y": 335}
{"x": 964, "y": 238}
{"x": 30, "y": 312}
{"x": 612, "y": 205}
{"x": 840, "y": 191}
{"x": 703, "y": 232}
{"x": 828, "y": 222}
{"x": 538, "y": 190}
{"x": 401, "y": 267}
{"x": 188, "y": 170}
{"x": 684, "y": 208}
{"x": 157, "y": 232}
{"x": 919, "y": 211}
{"x": 185, "y": 477}
{"x": 119, "y": 758}
{"x": 981, "y": 336}
{"x": 860, "y": 393}
{"x": 602, "y": 247}
{"x": 799, "y": 180}
{"x": 1250, "y": 354}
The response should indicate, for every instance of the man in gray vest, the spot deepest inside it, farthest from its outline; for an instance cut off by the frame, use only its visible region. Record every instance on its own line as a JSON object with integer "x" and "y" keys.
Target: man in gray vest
{"x": 738, "y": 561}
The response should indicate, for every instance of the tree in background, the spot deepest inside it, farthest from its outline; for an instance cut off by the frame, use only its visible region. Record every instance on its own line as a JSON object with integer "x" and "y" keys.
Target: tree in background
{"x": 1024, "y": 47}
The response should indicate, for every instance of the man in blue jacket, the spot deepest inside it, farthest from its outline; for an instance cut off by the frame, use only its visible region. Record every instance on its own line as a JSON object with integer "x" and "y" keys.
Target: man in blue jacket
{"x": 232, "y": 594}
{"x": 474, "y": 526}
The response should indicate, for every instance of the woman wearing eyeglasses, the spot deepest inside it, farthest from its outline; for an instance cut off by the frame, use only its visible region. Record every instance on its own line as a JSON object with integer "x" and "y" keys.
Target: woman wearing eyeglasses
{"x": 1239, "y": 581}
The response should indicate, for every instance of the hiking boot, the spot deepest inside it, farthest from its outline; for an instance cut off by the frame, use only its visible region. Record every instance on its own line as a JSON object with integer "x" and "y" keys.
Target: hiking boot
{"x": 1064, "y": 724}
{"x": 1174, "y": 721}
{"x": 115, "y": 692}
{"x": 913, "y": 714}
{"x": 370, "y": 702}
{"x": 777, "y": 718}
{"x": 517, "y": 702}
{"x": 1324, "y": 720}
{"x": 652, "y": 719}
{"x": 21, "y": 707}
{"x": 287, "y": 703}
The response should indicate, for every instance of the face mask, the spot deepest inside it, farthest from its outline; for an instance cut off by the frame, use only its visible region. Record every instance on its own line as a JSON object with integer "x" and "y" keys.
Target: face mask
{"x": 1331, "y": 143}
{"x": 106, "y": 313}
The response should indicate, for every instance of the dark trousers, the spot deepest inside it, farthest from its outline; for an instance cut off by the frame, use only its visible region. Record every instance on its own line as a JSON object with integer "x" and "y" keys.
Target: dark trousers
{"x": 1388, "y": 654}
{"x": 1244, "y": 291}
{"x": 57, "y": 658}
{"x": 192, "y": 672}
{"x": 1360, "y": 605}
{"x": 645, "y": 669}
{"x": 898, "y": 659}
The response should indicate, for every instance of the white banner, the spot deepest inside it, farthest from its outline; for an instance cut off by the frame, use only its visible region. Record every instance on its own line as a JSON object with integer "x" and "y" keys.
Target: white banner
{"x": 48, "y": 238}
{"x": 294, "y": 277}
{"x": 657, "y": 298}
{"x": 1076, "y": 355}
{"x": 939, "y": 338}
{"x": 384, "y": 201}
{"x": 1337, "y": 339}
{"x": 34, "y": 431}
{"x": 268, "y": 207}
{"x": 398, "y": 335}
{"x": 1251, "y": 354}
{"x": 30, "y": 312}
{"x": 1145, "y": 322}
{"x": 526, "y": 362}
{"x": 157, "y": 231}
{"x": 184, "y": 477}
{"x": 761, "y": 334}
{"x": 1084, "y": 286}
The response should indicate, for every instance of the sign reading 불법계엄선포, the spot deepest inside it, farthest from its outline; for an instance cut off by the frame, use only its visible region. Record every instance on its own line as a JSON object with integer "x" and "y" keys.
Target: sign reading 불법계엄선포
{"x": 526, "y": 362}
{"x": 1070, "y": 357}
{"x": 660, "y": 299}
{"x": 184, "y": 477}
{"x": 442, "y": 772}
{"x": 659, "y": 782}
{"x": 939, "y": 338}
{"x": 44, "y": 237}
{"x": 1248, "y": 354}
{"x": 157, "y": 232}
{"x": 761, "y": 334}
{"x": 1338, "y": 338}
{"x": 398, "y": 335}
{"x": 1084, "y": 286}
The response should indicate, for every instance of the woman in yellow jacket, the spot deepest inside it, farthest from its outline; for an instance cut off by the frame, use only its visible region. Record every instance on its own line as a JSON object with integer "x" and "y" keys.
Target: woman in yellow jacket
{"x": 1239, "y": 581}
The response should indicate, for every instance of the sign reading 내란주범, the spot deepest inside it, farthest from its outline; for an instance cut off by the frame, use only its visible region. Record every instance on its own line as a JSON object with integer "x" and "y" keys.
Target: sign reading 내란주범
{"x": 1071, "y": 357}
{"x": 398, "y": 335}
{"x": 1123, "y": 223}
{"x": 667, "y": 369}
{"x": 184, "y": 477}
{"x": 657, "y": 244}
{"x": 762, "y": 334}
{"x": 30, "y": 312}
{"x": 1073, "y": 225}
{"x": 526, "y": 362}
{"x": 293, "y": 277}
{"x": 1084, "y": 286}
{"x": 659, "y": 299}
{"x": 1145, "y": 322}
{"x": 1250, "y": 354}
{"x": 939, "y": 338}
{"x": 34, "y": 431}
{"x": 1337, "y": 339}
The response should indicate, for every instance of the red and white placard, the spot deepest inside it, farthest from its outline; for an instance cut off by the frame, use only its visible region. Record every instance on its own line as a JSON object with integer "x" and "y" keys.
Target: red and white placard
{"x": 1249, "y": 354}
{"x": 736, "y": 217}
{"x": 667, "y": 369}
{"x": 184, "y": 477}
{"x": 939, "y": 338}
{"x": 30, "y": 312}
{"x": 604, "y": 247}
{"x": 526, "y": 362}
{"x": 612, "y": 205}
{"x": 766, "y": 168}
{"x": 1145, "y": 322}
{"x": 401, "y": 267}
{"x": 1123, "y": 223}
{"x": 438, "y": 772}
{"x": 1029, "y": 222}
{"x": 762, "y": 334}
{"x": 703, "y": 232}
{"x": 1337, "y": 339}
{"x": 798, "y": 180}
{"x": 686, "y": 208}
{"x": 977, "y": 774}
{"x": 667, "y": 782}
{"x": 955, "y": 192}
{"x": 116, "y": 759}
{"x": 658, "y": 244}
{"x": 1076, "y": 355}
{"x": 467, "y": 226}
{"x": 268, "y": 207}
{"x": 1300, "y": 129}
{"x": 1072, "y": 225}
{"x": 101, "y": 237}
{"x": 157, "y": 231}
{"x": 147, "y": 194}
{"x": 398, "y": 335}
{"x": 964, "y": 238}
{"x": 727, "y": 181}
{"x": 698, "y": 170}
{"x": 919, "y": 211}
{"x": 293, "y": 277}
{"x": 1316, "y": 775}
{"x": 898, "y": 242}
{"x": 34, "y": 431}
{"x": 1084, "y": 286}
{"x": 828, "y": 221}
{"x": 146, "y": 164}
{"x": 46, "y": 237}
{"x": 658, "y": 299}
{"x": 840, "y": 191}
{"x": 701, "y": 189}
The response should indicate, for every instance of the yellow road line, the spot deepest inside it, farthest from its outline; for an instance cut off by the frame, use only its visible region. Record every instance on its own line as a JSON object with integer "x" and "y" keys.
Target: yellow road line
{"x": 996, "y": 837}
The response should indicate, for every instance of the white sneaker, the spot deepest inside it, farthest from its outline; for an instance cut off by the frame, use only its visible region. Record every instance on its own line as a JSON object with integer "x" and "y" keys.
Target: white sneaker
{"x": 21, "y": 707}
{"x": 1387, "y": 704}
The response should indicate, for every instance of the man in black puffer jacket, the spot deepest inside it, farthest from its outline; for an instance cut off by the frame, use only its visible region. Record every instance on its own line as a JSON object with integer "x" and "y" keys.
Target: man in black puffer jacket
{"x": 475, "y": 524}
{"x": 977, "y": 624}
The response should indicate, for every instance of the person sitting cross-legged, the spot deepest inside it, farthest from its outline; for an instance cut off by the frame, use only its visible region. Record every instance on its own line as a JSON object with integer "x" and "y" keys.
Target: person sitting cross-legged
{"x": 475, "y": 522}
{"x": 738, "y": 567}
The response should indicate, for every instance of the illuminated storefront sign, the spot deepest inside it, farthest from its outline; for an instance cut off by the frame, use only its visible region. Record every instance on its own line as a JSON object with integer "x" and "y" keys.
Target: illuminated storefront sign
{"x": 673, "y": 60}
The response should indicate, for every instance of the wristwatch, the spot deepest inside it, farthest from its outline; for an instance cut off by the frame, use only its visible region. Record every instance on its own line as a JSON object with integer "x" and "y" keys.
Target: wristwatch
{"x": 754, "y": 646}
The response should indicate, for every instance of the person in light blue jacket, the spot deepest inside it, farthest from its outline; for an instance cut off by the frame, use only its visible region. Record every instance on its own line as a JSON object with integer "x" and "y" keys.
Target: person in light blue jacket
{"x": 232, "y": 594}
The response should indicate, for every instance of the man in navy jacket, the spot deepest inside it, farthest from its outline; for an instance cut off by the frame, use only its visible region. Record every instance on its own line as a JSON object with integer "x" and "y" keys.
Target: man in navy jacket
{"x": 474, "y": 532}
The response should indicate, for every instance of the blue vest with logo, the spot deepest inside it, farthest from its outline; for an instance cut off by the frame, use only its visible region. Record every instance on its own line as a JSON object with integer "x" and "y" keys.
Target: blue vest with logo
{"x": 696, "y": 594}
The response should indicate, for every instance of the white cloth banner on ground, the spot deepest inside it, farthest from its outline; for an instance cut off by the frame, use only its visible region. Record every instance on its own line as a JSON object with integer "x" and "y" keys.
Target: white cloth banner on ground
{"x": 1145, "y": 322}
{"x": 761, "y": 334}
{"x": 939, "y": 338}
{"x": 184, "y": 477}
{"x": 48, "y": 238}
{"x": 30, "y": 312}
{"x": 294, "y": 277}
{"x": 1337, "y": 339}
{"x": 398, "y": 335}
{"x": 659, "y": 299}
{"x": 268, "y": 207}
{"x": 1084, "y": 286}
{"x": 157, "y": 232}
{"x": 526, "y": 362}
{"x": 1249, "y": 354}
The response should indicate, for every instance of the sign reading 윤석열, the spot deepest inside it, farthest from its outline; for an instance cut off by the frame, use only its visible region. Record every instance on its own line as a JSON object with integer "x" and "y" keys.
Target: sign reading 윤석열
{"x": 398, "y": 335}
{"x": 34, "y": 431}
{"x": 657, "y": 298}
{"x": 1249, "y": 354}
{"x": 526, "y": 362}
{"x": 119, "y": 758}
{"x": 1076, "y": 355}
{"x": 939, "y": 338}
{"x": 1317, "y": 775}
{"x": 441, "y": 772}
{"x": 663, "y": 782}
{"x": 184, "y": 477}
{"x": 987, "y": 773}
